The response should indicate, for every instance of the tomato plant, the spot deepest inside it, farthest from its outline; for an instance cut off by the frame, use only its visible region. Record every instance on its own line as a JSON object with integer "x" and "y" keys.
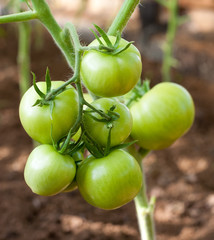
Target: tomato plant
{"x": 162, "y": 115}
{"x": 111, "y": 181}
{"x": 55, "y": 113}
{"x": 38, "y": 120}
{"x": 99, "y": 130}
{"x": 109, "y": 75}
{"x": 48, "y": 172}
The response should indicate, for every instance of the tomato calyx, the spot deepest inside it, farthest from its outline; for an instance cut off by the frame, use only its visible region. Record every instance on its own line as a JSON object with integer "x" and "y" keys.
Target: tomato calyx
{"x": 48, "y": 97}
{"x": 99, "y": 151}
{"x": 107, "y": 47}
{"x": 108, "y": 117}
{"x": 43, "y": 101}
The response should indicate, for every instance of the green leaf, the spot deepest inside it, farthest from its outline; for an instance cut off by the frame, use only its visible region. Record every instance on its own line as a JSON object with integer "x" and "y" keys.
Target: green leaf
{"x": 40, "y": 93}
{"x": 48, "y": 80}
{"x": 104, "y": 35}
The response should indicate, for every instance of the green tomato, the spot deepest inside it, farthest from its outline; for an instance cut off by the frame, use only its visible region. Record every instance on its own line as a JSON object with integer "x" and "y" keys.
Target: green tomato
{"x": 37, "y": 120}
{"x": 99, "y": 131}
{"x": 162, "y": 115}
{"x": 108, "y": 75}
{"x": 48, "y": 172}
{"x": 111, "y": 181}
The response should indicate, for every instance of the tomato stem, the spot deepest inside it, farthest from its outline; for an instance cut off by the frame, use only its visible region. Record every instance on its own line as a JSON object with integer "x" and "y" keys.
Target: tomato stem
{"x": 144, "y": 208}
{"x": 168, "y": 60}
{"x": 45, "y": 16}
{"x": 123, "y": 17}
{"x": 19, "y": 17}
{"x": 23, "y": 58}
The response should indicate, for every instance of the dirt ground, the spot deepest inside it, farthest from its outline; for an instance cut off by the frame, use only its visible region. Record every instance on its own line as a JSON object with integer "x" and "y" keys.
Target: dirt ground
{"x": 181, "y": 177}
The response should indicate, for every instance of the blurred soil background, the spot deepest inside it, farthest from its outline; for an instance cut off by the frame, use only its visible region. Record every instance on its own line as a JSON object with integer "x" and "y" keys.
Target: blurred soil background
{"x": 181, "y": 177}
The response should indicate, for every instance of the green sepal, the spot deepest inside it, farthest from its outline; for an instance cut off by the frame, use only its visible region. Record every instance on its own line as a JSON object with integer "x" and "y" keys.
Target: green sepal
{"x": 118, "y": 38}
{"x": 104, "y": 35}
{"x": 40, "y": 93}
{"x": 48, "y": 80}
{"x": 97, "y": 37}
{"x": 120, "y": 50}
{"x": 74, "y": 147}
{"x": 93, "y": 149}
{"x": 108, "y": 146}
{"x": 123, "y": 145}
{"x": 38, "y": 102}
{"x": 95, "y": 118}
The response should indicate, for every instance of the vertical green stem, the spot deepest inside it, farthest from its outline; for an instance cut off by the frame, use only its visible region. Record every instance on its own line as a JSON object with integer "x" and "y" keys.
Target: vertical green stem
{"x": 168, "y": 47}
{"x": 123, "y": 16}
{"x": 45, "y": 16}
{"x": 143, "y": 206}
{"x": 24, "y": 56}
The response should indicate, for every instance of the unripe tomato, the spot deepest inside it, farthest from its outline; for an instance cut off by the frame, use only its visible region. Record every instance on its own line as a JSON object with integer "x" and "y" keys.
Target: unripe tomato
{"x": 37, "y": 120}
{"x": 162, "y": 115}
{"x": 99, "y": 130}
{"x": 109, "y": 75}
{"x": 48, "y": 172}
{"x": 109, "y": 182}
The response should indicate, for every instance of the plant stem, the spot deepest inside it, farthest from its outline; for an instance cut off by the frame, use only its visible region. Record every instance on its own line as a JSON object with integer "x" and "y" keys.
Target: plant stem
{"x": 24, "y": 56}
{"x": 143, "y": 207}
{"x": 76, "y": 126}
{"x": 19, "y": 17}
{"x": 123, "y": 16}
{"x": 168, "y": 60}
{"x": 45, "y": 16}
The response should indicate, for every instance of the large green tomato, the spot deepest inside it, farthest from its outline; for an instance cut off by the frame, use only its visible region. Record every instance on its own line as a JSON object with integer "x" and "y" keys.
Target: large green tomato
{"x": 48, "y": 172}
{"x": 99, "y": 131}
{"x": 109, "y": 182}
{"x": 162, "y": 115}
{"x": 37, "y": 121}
{"x": 108, "y": 75}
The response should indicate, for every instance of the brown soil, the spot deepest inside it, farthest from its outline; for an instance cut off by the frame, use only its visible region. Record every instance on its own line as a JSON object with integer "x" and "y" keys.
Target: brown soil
{"x": 181, "y": 177}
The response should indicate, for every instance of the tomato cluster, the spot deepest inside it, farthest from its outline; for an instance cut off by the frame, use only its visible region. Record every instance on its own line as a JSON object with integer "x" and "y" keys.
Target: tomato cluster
{"x": 110, "y": 177}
